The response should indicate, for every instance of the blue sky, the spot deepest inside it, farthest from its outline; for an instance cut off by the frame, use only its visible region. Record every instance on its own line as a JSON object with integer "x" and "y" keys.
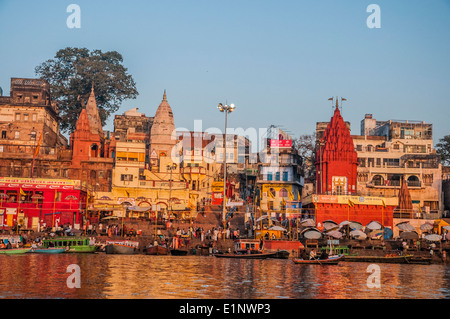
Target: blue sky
{"x": 278, "y": 61}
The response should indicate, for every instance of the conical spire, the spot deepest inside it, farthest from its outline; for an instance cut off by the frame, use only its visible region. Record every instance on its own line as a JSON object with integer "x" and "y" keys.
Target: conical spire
{"x": 92, "y": 113}
{"x": 163, "y": 127}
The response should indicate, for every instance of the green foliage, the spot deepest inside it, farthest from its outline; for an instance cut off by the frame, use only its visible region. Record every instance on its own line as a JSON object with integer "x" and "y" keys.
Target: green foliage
{"x": 443, "y": 149}
{"x": 73, "y": 71}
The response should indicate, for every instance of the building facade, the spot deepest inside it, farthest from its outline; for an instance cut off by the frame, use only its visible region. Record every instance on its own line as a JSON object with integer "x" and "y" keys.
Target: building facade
{"x": 390, "y": 151}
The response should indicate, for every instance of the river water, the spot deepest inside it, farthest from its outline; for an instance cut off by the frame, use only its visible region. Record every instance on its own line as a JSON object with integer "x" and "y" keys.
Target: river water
{"x": 105, "y": 276}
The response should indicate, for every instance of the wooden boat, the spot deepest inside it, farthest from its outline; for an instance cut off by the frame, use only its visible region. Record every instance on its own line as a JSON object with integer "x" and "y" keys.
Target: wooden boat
{"x": 156, "y": 250}
{"x": 71, "y": 244}
{"x": 248, "y": 249}
{"x": 420, "y": 260}
{"x": 281, "y": 254}
{"x": 14, "y": 251}
{"x": 123, "y": 247}
{"x": 49, "y": 250}
{"x": 391, "y": 259}
{"x": 332, "y": 260}
{"x": 178, "y": 252}
{"x": 247, "y": 255}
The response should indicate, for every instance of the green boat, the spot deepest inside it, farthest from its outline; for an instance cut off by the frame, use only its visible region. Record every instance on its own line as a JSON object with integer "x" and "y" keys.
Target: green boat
{"x": 14, "y": 251}
{"x": 73, "y": 244}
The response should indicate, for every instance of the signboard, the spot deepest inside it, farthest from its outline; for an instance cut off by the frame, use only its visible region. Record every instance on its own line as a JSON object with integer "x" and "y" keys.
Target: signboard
{"x": 280, "y": 143}
{"x": 357, "y": 200}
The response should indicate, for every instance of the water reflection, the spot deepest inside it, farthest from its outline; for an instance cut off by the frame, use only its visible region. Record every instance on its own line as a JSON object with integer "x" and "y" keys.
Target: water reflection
{"x": 167, "y": 277}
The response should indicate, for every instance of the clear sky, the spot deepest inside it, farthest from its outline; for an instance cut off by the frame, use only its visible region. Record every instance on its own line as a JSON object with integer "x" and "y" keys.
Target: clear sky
{"x": 278, "y": 61}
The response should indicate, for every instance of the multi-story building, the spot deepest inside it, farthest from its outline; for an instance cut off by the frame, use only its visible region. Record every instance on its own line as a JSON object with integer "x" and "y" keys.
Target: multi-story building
{"x": 279, "y": 180}
{"x": 390, "y": 151}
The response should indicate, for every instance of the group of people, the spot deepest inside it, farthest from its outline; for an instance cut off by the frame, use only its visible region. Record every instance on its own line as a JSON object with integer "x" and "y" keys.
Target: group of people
{"x": 212, "y": 234}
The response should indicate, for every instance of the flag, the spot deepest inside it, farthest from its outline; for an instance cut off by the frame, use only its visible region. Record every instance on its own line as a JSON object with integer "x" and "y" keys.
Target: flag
{"x": 128, "y": 194}
{"x": 330, "y": 99}
{"x": 342, "y": 99}
{"x": 350, "y": 203}
{"x": 283, "y": 202}
{"x": 22, "y": 192}
{"x": 291, "y": 196}
{"x": 269, "y": 193}
{"x": 36, "y": 151}
{"x": 384, "y": 204}
{"x": 420, "y": 209}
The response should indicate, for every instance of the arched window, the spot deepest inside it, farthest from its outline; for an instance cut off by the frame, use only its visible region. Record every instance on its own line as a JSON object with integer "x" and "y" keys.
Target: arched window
{"x": 283, "y": 192}
{"x": 94, "y": 150}
{"x": 378, "y": 180}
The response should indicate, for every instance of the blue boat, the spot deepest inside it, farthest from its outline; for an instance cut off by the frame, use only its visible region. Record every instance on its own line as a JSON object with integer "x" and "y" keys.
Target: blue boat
{"x": 49, "y": 250}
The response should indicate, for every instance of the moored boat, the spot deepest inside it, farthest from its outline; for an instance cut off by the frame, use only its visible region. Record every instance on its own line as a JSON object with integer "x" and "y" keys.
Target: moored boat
{"x": 49, "y": 250}
{"x": 71, "y": 244}
{"x": 123, "y": 247}
{"x": 332, "y": 260}
{"x": 14, "y": 251}
{"x": 178, "y": 252}
{"x": 245, "y": 255}
{"x": 156, "y": 250}
{"x": 248, "y": 249}
{"x": 390, "y": 258}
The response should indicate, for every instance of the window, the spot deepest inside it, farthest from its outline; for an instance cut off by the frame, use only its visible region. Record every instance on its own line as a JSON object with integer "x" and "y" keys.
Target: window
{"x": 34, "y": 117}
{"x": 285, "y": 176}
{"x": 283, "y": 192}
{"x": 396, "y": 147}
{"x": 3, "y": 134}
{"x": 358, "y": 148}
{"x": 25, "y": 116}
{"x": 17, "y": 116}
{"x": 277, "y": 176}
{"x": 17, "y": 135}
{"x": 33, "y": 136}
{"x": 269, "y": 176}
{"x": 126, "y": 177}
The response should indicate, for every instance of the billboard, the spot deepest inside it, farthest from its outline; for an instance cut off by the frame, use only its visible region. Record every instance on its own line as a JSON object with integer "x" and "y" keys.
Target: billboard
{"x": 280, "y": 143}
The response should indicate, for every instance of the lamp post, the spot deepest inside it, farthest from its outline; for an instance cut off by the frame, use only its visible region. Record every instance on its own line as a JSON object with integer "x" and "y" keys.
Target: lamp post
{"x": 226, "y": 109}
{"x": 170, "y": 168}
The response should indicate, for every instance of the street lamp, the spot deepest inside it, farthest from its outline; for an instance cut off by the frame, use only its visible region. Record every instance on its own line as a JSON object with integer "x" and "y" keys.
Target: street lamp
{"x": 226, "y": 109}
{"x": 170, "y": 168}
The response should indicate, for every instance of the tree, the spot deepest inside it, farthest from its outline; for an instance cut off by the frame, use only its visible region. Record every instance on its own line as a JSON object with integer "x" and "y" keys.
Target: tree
{"x": 305, "y": 145}
{"x": 443, "y": 149}
{"x": 71, "y": 75}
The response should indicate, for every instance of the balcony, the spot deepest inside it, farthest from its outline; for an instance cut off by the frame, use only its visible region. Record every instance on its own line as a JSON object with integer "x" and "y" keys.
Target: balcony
{"x": 393, "y": 184}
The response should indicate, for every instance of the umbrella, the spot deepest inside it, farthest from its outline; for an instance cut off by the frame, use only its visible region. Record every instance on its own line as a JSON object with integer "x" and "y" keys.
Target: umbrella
{"x": 446, "y": 227}
{"x": 355, "y": 225}
{"x": 374, "y": 225}
{"x": 406, "y": 227}
{"x": 71, "y": 197}
{"x": 311, "y": 233}
{"x": 105, "y": 198}
{"x": 387, "y": 233}
{"x": 308, "y": 222}
{"x": 426, "y": 227}
{"x": 110, "y": 217}
{"x": 433, "y": 237}
{"x": 344, "y": 223}
{"x": 277, "y": 228}
{"x": 3, "y": 195}
{"x": 335, "y": 234}
{"x": 329, "y": 225}
{"x": 358, "y": 234}
{"x": 409, "y": 235}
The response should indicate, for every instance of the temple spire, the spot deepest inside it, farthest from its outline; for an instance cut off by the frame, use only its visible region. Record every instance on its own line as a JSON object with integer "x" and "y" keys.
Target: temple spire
{"x": 165, "y": 96}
